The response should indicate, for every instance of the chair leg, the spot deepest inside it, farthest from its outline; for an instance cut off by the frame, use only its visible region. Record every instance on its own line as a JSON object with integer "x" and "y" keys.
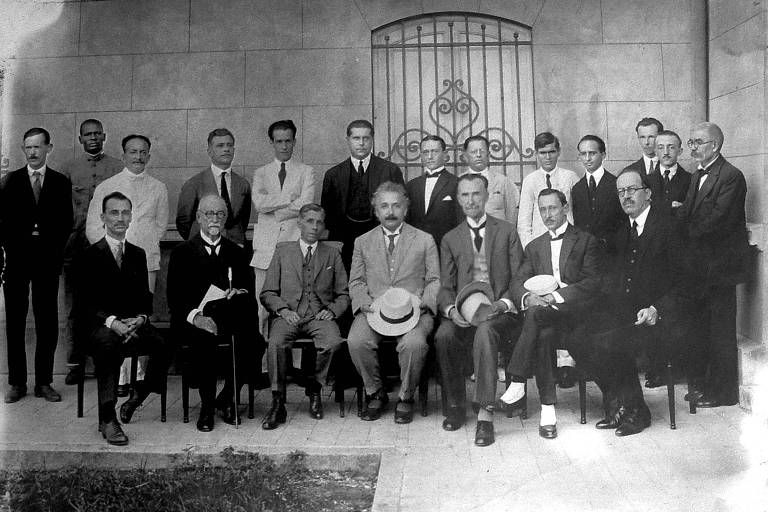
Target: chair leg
{"x": 360, "y": 399}
{"x": 338, "y": 396}
{"x": 134, "y": 369}
{"x": 424, "y": 394}
{"x": 524, "y": 403}
{"x": 583, "y": 400}
{"x": 80, "y": 393}
{"x": 185, "y": 396}
{"x": 250, "y": 400}
{"x": 671, "y": 395}
{"x": 691, "y": 398}
{"x": 164, "y": 400}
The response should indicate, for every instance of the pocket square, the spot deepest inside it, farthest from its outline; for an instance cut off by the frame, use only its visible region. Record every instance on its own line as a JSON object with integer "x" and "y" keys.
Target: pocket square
{"x": 447, "y": 198}
{"x": 328, "y": 268}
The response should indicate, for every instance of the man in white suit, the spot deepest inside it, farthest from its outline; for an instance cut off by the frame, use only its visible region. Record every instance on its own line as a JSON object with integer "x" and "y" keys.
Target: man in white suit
{"x": 279, "y": 190}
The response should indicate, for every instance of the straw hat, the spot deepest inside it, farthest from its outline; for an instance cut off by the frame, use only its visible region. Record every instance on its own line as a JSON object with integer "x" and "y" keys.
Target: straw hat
{"x": 395, "y": 312}
{"x": 474, "y": 302}
{"x": 541, "y": 284}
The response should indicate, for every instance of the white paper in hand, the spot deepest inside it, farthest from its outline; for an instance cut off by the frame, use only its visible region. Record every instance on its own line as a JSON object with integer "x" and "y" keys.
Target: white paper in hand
{"x": 213, "y": 293}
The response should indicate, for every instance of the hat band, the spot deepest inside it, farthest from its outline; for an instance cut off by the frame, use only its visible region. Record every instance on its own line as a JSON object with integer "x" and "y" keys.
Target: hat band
{"x": 396, "y": 320}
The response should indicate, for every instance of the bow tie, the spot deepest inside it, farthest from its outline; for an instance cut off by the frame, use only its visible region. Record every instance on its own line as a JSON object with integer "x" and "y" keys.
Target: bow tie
{"x": 558, "y": 237}
{"x": 703, "y": 172}
{"x": 434, "y": 174}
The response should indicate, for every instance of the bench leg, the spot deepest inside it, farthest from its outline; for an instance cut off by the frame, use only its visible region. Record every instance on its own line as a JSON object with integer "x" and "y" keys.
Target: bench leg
{"x": 583, "y": 400}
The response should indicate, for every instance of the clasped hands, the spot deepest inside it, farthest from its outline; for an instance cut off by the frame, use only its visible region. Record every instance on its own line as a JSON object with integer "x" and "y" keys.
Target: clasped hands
{"x": 125, "y": 327}
{"x": 539, "y": 300}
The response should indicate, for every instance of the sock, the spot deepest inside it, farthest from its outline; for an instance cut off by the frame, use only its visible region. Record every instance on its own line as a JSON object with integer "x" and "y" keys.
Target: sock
{"x": 548, "y": 415}
{"x": 484, "y": 415}
{"x": 515, "y": 378}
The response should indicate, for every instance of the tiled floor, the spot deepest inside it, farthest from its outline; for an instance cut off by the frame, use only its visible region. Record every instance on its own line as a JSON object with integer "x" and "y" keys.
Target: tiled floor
{"x": 716, "y": 460}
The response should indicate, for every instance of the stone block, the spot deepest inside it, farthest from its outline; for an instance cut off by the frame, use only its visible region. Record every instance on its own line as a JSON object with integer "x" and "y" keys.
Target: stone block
{"x": 569, "y": 122}
{"x": 521, "y": 11}
{"x": 736, "y": 116}
{"x": 737, "y": 57}
{"x": 52, "y": 29}
{"x": 249, "y": 125}
{"x": 753, "y": 168}
{"x": 308, "y": 77}
{"x": 320, "y": 17}
{"x": 661, "y": 21}
{"x": 66, "y": 84}
{"x": 377, "y": 13}
{"x": 139, "y": 26}
{"x": 192, "y": 80}
{"x": 678, "y": 72}
{"x": 166, "y": 130}
{"x": 325, "y": 133}
{"x": 62, "y": 128}
{"x": 726, "y": 14}
{"x": 245, "y": 24}
{"x": 430, "y": 6}
{"x": 564, "y": 21}
{"x": 623, "y": 117}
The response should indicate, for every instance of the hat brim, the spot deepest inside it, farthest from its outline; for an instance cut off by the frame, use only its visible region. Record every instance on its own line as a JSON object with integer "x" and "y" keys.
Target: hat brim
{"x": 473, "y": 287}
{"x": 386, "y": 328}
{"x": 541, "y": 284}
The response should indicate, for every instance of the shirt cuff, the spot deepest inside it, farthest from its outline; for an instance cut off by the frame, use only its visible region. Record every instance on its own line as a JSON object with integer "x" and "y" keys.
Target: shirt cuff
{"x": 509, "y": 304}
{"x": 191, "y": 316}
{"x": 558, "y": 298}
{"x": 448, "y": 310}
{"x": 522, "y": 301}
{"x": 109, "y": 320}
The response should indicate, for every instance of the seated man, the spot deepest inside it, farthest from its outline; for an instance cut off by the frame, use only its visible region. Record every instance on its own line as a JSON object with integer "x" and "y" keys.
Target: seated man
{"x": 572, "y": 257}
{"x": 209, "y": 262}
{"x": 395, "y": 270}
{"x": 486, "y": 249}
{"x": 114, "y": 303}
{"x": 305, "y": 291}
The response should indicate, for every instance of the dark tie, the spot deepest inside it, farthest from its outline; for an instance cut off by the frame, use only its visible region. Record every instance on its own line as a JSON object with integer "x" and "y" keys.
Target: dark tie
{"x": 592, "y": 185}
{"x": 633, "y": 234}
{"x": 225, "y": 196}
{"x": 360, "y": 170}
{"x": 119, "y": 255}
{"x": 549, "y": 182}
{"x": 281, "y": 175}
{"x": 666, "y": 176}
{"x": 36, "y": 186}
{"x": 558, "y": 237}
{"x": 308, "y": 256}
{"x": 651, "y": 167}
{"x": 391, "y": 246}
{"x": 478, "y": 237}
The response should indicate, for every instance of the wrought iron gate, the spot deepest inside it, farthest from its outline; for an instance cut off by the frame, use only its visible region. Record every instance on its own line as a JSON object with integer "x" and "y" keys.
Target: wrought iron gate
{"x": 454, "y": 75}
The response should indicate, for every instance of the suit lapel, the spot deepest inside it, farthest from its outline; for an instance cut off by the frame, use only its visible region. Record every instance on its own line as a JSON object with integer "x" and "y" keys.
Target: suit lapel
{"x": 648, "y": 233}
{"x": 103, "y": 246}
{"x": 319, "y": 260}
{"x": 490, "y": 237}
{"x": 343, "y": 184}
{"x": 418, "y": 201}
{"x": 406, "y": 236}
{"x": 442, "y": 182}
{"x": 569, "y": 241}
{"x": 709, "y": 183}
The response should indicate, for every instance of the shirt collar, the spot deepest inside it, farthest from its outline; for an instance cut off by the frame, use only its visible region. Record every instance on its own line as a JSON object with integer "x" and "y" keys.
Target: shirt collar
{"x": 559, "y": 231}
{"x": 551, "y": 173}
{"x": 705, "y": 167}
{"x": 646, "y": 160}
{"x": 303, "y": 245}
{"x": 139, "y": 176}
{"x": 641, "y": 218}
{"x": 356, "y": 163}
{"x": 598, "y": 174}
{"x": 217, "y": 171}
{"x": 208, "y": 240}
{"x": 98, "y": 156}
{"x": 113, "y": 242}
{"x": 397, "y": 232}
{"x": 278, "y": 162}
{"x": 474, "y": 224}
{"x": 434, "y": 171}
{"x": 40, "y": 170}
{"x": 484, "y": 173}
{"x": 672, "y": 170}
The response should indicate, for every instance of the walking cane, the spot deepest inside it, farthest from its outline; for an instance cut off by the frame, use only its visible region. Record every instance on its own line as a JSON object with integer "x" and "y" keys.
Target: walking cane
{"x": 234, "y": 369}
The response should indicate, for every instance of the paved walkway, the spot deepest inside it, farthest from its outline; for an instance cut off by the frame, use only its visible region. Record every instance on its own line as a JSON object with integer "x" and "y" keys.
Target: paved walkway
{"x": 716, "y": 460}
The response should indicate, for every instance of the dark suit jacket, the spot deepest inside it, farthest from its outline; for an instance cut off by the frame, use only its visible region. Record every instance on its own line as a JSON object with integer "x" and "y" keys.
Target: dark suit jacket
{"x": 18, "y": 213}
{"x": 580, "y": 265}
{"x": 336, "y": 188}
{"x": 608, "y": 214}
{"x": 715, "y": 223}
{"x": 191, "y": 271}
{"x": 676, "y": 191}
{"x": 105, "y": 289}
{"x": 503, "y": 252}
{"x": 639, "y": 165}
{"x": 202, "y": 184}
{"x": 283, "y": 283}
{"x": 444, "y": 212}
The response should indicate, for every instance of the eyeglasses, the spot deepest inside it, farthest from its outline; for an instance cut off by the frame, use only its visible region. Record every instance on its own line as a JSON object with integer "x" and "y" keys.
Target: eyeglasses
{"x": 694, "y": 144}
{"x": 629, "y": 191}
{"x": 221, "y": 215}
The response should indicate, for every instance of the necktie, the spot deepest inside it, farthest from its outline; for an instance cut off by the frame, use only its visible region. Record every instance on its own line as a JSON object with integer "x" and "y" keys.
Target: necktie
{"x": 391, "y": 246}
{"x": 634, "y": 235}
{"x": 651, "y": 167}
{"x": 592, "y": 185}
{"x": 360, "y": 170}
{"x": 478, "y": 237}
{"x": 666, "y": 176}
{"x": 225, "y": 196}
{"x": 434, "y": 174}
{"x": 558, "y": 237}
{"x": 119, "y": 255}
{"x": 37, "y": 187}
{"x": 281, "y": 175}
{"x": 308, "y": 256}
{"x": 549, "y": 182}
{"x": 212, "y": 249}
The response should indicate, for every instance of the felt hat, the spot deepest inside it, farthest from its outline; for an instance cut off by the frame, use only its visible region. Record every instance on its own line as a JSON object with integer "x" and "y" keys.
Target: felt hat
{"x": 474, "y": 302}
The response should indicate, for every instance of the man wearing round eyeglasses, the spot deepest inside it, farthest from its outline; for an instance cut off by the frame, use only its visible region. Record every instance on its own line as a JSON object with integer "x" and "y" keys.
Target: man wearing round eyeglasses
{"x": 714, "y": 219}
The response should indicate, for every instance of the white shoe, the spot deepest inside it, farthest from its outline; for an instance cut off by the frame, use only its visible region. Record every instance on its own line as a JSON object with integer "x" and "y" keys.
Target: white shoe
{"x": 514, "y": 392}
{"x": 502, "y": 374}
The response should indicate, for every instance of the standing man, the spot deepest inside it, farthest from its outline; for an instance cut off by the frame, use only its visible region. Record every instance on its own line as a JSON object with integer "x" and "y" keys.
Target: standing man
{"x": 85, "y": 171}
{"x": 433, "y": 207}
{"x": 205, "y": 261}
{"x": 36, "y": 215}
{"x": 714, "y": 218}
{"x": 669, "y": 182}
{"x": 548, "y": 175}
{"x": 393, "y": 284}
{"x": 279, "y": 190}
{"x": 217, "y": 179}
{"x": 114, "y": 304}
{"x": 149, "y": 197}
{"x": 485, "y": 249}
{"x": 305, "y": 292}
{"x": 348, "y": 188}
{"x": 647, "y": 129}
{"x": 503, "y": 195}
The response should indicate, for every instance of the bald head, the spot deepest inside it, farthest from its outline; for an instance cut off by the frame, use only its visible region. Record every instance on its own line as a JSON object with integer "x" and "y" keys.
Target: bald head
{"x": 211, "y": 215}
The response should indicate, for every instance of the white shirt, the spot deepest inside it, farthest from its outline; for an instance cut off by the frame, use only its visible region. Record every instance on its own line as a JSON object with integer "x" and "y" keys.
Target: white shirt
{"x": 704, "y": 177}
{"x": 41, "y": 170}
{"x": 227, "y": 178}
{"x": 555, "y": 248}
{"x": 216, "y": 245}
{"x": 641, "y": 220}
{"x": 647, "y": 162}
{"x": 113, "y": 244}
{"x": 388, "y": 232}
{"x": 597, "y": 174}
{"x": 672, "y": 171}
{"x": 304, "y": 246}
{"x": 365, "y": 161}
{"x": 430, "y": 186}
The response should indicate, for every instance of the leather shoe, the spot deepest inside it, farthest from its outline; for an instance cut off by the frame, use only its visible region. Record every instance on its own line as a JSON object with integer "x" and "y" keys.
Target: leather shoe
{"x": 15, "y": 393}
{"x": 632, "y": 424}
{"x": 454, "y": 419}
{"x": 484, "y": 433}
{"x": 74, "y": 376}
{"x": 113, "y": 433}
{"x": 315, "y": 406}
{"x": 653, "y": 380}
{"x": 566, "y": 377}
{"x": 707, "y": 401}
{"x": 377, "y": 402}
{"x": 404, "y": 411}
{"x": 276, "y": 414}
{"x": 205, "y": 421}
{"x": 612, "y": 421}
{"x": 128, "y": 408}
{"x": 123, "y": 390}
{"x": 548, "y": 431}
{"x": 229, "y": 414}
{"x": 47, "y": 392}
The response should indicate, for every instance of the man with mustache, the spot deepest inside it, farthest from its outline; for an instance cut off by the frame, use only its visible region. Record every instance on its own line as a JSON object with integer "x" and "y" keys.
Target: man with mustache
{"x": 715, "y": 224}
{"x": 149, "y": 197}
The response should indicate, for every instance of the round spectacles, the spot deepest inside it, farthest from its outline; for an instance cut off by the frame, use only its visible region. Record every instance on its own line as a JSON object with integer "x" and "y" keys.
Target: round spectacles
{"x": 221, "y": 215}
{"x": 629, "y": 191}
{"x": 694, "y": 144}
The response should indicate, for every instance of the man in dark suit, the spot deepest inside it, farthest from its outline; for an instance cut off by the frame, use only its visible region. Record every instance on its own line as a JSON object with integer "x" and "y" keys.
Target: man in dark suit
{"x": 348, "y": 188}
{"x": 36, "y": 215}
{"x": 669, "y": 182}
{"x": 486, "y": 249}
{"x": 209, "y": 262}
{"x": 433, "y": 207}
{"x": 305, "y": 291}
{"x": 647, "y": 129}
{"x": 113, "y": 307}
{"x": 714, "y": 219}
{"x": 218, "y": 179}
{"x": 572, "y": 257}
{"x": 646, "y": 294}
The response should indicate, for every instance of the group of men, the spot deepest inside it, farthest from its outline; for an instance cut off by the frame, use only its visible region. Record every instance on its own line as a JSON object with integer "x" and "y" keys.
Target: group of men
{"x": 596, "y": 268}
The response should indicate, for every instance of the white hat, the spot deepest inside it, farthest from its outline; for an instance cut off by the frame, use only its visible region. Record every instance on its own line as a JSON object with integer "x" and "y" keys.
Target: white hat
{"x": 541, "y": 284}
{"x": 474, "y": 302}
{"x": 395, "y": 312}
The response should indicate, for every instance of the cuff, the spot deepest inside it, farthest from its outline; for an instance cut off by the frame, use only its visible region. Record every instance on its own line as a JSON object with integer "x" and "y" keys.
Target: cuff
{"x": 192, "y": 314}
{"x": 448, "y": 310}
{"x": 558, "y": 298}
{"x": 109, "y": 320}
{"x": 522, "y": 301}
{"x": 509, "y": 304}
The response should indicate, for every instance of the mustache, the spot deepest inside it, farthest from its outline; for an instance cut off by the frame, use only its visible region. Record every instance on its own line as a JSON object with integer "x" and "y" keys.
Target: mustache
{"x": 390, "y": 217}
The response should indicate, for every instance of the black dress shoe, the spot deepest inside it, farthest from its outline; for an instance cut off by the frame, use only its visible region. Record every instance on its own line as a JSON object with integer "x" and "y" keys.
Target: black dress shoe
{"x": 276, "y": 414}
{"x": 548, "y": 431}
{"x": 47, "y": 392}
{"x": 113, "y": 433}
{"x": 128, "y": 408}
{"x": 516, "y": 409}
{"x": 315, "y": 405}
{"x": 484, "y": 433}
{"x": 654, "y": 380}
{"x": 229, "y": 414}
{"x": 75, "y": 376}
{"x": 404, "y": 411}
{"x": 708, "y": 401}
{"x": 612, "y": 421}
{"x": 377, "y": 403}
{"x": 454, "y": 419}
{"x": 123, "y": 390}
{"x": 566, "y": 377}
{"x": 205, "y": 421}
{"x": 15, "y": 393}
{"x": 633, "y": 424}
